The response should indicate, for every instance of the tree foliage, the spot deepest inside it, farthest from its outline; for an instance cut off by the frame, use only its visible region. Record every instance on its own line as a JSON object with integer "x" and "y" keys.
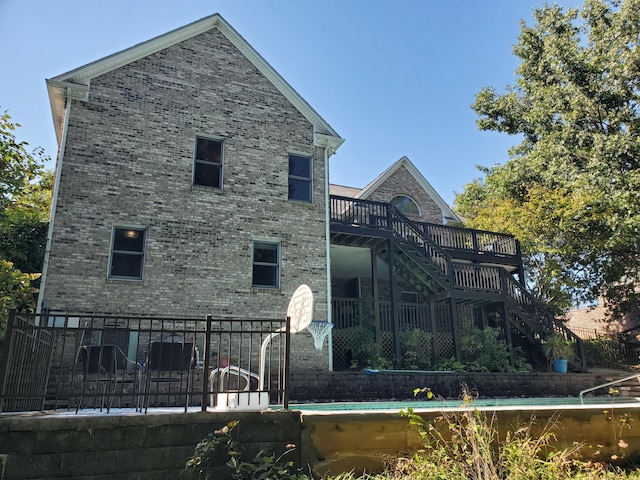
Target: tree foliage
{"x": 24, "y": 223}
{"x": 18, "y": 167}
{"x": 571, "y": 189}
{"x": 25, "y": 196}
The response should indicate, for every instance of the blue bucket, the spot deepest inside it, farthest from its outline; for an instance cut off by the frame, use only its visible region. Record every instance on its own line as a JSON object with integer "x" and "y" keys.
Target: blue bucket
{"x": 560, "y": 366}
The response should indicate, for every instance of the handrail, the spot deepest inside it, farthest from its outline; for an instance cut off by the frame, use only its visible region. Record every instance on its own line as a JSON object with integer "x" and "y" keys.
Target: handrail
{"x": 517, "y": 294}
{"x": 471, "y": 240}
{"x": 385, "y": 216}
{"x": 608, "y": 384}
{"x": 373, "y": 213}
{"x": 409, "y": 231}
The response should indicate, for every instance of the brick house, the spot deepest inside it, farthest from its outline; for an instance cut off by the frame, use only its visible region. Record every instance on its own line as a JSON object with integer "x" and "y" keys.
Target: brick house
{"x": 192, "y": 180}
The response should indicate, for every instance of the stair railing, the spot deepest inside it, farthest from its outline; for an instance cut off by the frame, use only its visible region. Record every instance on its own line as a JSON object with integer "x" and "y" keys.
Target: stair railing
{"x": 411, "y": 233}
{"x": 518, "y": 295}
{"x": 385, "y": 216}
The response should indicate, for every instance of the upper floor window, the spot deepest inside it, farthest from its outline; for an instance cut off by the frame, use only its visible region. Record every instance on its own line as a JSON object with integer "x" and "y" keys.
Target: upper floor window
{"x": 300, "y": 178}
{"x": 405, "y": 205}
{"x": 207, "y": 166}
{"x": 266, "y": 265}
{"x": 127, "y": 253}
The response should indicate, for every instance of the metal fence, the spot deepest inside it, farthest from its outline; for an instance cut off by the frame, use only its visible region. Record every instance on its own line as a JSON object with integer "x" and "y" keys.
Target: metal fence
{"x": 54, "y": 362}
{"x": 606, "y": 349}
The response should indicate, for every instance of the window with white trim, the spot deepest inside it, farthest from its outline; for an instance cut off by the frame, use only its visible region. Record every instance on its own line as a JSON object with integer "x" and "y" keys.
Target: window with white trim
{"x": 127, "y": 253}
{"x": 266, "y": 265}
{"x": 208, "y": 162}
{"x": 300, "y": 183}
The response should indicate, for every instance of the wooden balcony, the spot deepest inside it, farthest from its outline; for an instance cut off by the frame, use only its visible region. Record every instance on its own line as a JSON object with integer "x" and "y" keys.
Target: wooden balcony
{"x": 366, "y": 218}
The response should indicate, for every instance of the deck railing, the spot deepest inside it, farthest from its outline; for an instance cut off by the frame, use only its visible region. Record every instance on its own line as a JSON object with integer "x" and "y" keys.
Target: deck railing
{"x": 54, "y": 362}
{"x": 480, "y": 243}
{"x": 536, "y": 312}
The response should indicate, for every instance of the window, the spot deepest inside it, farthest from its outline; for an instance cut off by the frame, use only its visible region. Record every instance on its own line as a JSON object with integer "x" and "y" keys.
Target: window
{"x": 405, "y": 205}
{"x": 127, "y": 253}
{"x": 409, "y": 297}
{"x": 300, "y": 178}
{"x": 207, "y": 166}
{"x": 266, "y": 265}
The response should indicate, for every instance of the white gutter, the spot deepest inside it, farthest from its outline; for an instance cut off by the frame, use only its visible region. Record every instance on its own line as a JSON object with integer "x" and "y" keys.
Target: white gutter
{"x": 330, "y": 145}
{"x": 52, "y": 211}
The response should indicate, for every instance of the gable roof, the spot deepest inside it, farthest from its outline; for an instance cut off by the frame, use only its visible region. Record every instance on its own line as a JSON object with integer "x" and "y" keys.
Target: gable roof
{"x": 343, "y": 191}
{"x": 447, "y": 213}
{"x": 75, "y": 84}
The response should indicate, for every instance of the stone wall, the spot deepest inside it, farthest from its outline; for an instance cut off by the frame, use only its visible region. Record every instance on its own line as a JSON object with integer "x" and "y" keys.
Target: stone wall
{"x": 307, "y": 386}
{"x": 128, "y": 162}
{"x": 133, "y": 447}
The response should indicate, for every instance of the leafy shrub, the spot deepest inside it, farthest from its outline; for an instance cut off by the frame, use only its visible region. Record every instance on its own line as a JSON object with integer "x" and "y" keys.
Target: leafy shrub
{"x": 482, "y": 350}
{"x": 450, "y": 365}
{"x": 360, "y": 345}
{"x": 220, "y": 448}
{"x": 416, "y": 348}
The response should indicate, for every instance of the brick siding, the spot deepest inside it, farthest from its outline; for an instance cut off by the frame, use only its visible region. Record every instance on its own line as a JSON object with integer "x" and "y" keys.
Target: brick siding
{"x": 128, "y": 162}
{"x": 401, "y": 182}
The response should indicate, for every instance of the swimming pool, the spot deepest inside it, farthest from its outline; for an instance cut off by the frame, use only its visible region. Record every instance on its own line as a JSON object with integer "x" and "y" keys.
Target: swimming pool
{"x": 339, "y": 437}
{"x": 537, "y": 403}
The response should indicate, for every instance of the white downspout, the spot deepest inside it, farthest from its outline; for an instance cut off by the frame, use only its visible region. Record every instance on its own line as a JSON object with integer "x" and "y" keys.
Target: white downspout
{"x": 52, "y": 211}
{"x": 328, "y": 247}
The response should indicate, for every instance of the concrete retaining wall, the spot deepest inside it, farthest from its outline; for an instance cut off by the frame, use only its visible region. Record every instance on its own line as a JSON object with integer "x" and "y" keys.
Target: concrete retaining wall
{"x": 131, "y": 447}
{"x": 358, "y": 385}
{"x": 150, "y": 447}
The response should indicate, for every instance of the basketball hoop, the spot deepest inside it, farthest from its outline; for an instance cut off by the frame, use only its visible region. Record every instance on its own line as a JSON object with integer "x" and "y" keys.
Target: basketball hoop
{"x": 319, "y": 330}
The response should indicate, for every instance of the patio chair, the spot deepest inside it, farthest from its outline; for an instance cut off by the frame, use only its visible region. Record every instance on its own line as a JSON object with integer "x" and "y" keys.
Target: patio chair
{"x": 104, "y": 367}
{"x": 169, "y": 362}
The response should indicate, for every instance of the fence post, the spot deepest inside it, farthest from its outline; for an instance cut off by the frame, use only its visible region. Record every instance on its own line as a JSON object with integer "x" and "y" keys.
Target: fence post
{"x": 4, "y": 355}
{"x": 205, "y": 366}
{"x": 287, "y": 357}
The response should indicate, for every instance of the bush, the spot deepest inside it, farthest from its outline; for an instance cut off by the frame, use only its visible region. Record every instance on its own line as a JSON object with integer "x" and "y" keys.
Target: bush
{"x": 221, "y": 449}
{"x": 416, "y": 348}
{"x": 482, "y": 350}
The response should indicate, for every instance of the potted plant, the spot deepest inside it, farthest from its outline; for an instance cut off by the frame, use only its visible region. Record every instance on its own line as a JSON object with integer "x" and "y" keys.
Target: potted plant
{"x": 558, "y": 349}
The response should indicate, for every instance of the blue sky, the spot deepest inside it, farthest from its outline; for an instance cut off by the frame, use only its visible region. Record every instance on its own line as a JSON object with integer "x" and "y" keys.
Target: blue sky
{"x": 393, "y": 77}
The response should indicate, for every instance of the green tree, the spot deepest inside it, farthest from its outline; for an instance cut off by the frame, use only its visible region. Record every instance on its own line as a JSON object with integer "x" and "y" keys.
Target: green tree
{"x": 16, "y": 292}
{"x": 571, "y": 189}
{"x": 24, "y": 223}
{"x": 25, "y": 196}
{"x": 18, "y": 167}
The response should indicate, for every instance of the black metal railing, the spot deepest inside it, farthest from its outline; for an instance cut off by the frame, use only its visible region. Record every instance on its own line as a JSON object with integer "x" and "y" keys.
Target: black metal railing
{"x": 64, "y": 361}
{"x": 478, "y": 242}
{"x": 386, "y": 217}
{"x": 532, "y": 311}
{"x": 456, "y": 240}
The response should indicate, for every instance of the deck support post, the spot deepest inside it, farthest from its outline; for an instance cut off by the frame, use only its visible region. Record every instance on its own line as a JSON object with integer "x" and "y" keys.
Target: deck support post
{"x": 395, "y": 313}
{"x": 434, "y": 332}
{"x": 376, "y": 300}
{"x": 507, "y": 333}
{"x": 455, "y": 327}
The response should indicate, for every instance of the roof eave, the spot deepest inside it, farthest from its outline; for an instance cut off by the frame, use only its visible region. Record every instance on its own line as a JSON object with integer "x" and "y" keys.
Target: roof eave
{"x": 83, "y": 75}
